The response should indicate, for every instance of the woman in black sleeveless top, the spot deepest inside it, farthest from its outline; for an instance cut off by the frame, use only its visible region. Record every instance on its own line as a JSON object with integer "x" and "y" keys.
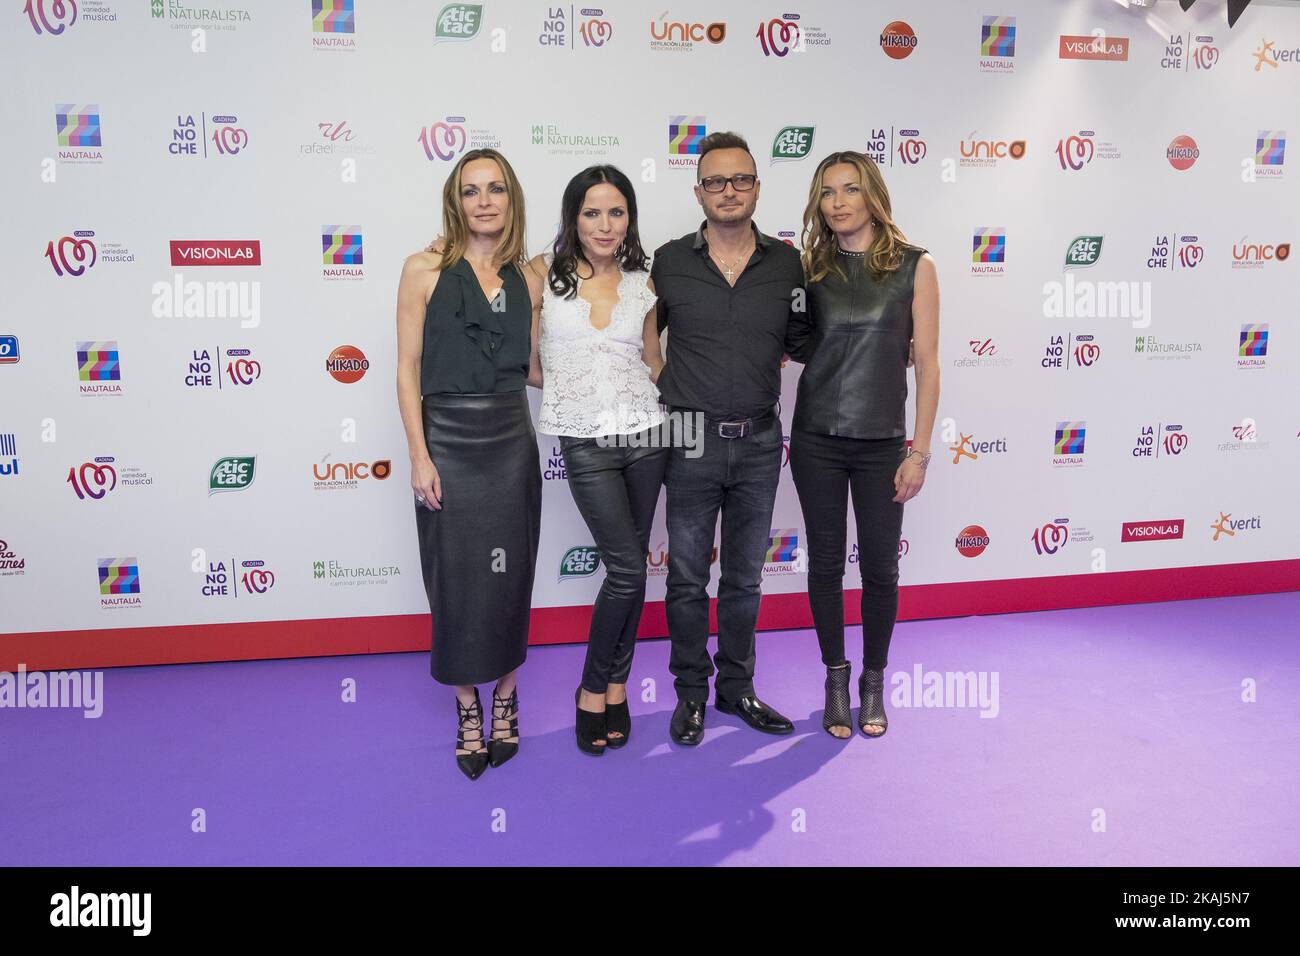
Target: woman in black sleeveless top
{"x": 465, "y": 351}
{"x": 872, "y": 296}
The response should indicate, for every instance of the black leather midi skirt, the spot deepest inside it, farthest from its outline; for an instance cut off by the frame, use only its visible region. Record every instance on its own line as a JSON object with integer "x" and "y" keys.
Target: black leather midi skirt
{"x": 478, "y": 553}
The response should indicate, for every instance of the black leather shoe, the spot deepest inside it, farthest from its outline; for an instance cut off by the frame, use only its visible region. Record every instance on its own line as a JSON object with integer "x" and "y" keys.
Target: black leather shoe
{"x": 687, "y": 726}
{"x": 757, "y": 714}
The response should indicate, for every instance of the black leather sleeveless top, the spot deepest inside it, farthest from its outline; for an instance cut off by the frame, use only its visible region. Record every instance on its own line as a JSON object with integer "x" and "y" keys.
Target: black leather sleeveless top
{"x": 855, "y": 381}
{"x": 468, "y": 346}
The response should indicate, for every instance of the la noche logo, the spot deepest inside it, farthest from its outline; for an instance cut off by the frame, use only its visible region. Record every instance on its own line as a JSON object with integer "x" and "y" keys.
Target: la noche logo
{"x": 972, "y": 541}
{"x": 1182, "y": 152}
{"x": 347, "y": 364}
{"x": 231, "y": 474}
{"x": 897, "y": 40}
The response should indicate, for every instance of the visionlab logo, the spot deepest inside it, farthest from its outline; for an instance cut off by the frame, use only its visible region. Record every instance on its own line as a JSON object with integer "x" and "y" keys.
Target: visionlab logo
{"x": 579, "y": 562}
{"x": 1252, "y": 345}
{"x": 792, "y": 143}
{"x": 348, "y": 475}
{"x": 1229, "y": 527}
{"x": 683, "y": 36}
{"x": 1175, "y": 251}
{"x": 99, "y": 368}
{"x": 79, "y": 133}
{"x": 1258, "y": 255}
{"x": 888, "y": 145}
{"x": 1073, "y": 350}
{"x": 445, "y": 139}
{"x": 897, "y": 40}
{"x": 1270, "y": 153}
{"x": 119, "y": 582}
{"x": 333, "y": 23}
{"x": 1067, "y": 447}
{"x": 216, "y": 134}
{"x": 1182, "y": 152}
{"x": 250, "y": 577}
{"x": 1102, "y": 47}
{"x": 215, "y": 252}
{"x": 997, "y": 44}
{"x": 560, "y": 30}
{"x": 1189, "y": 52}
{"x": 1167, "y": 529}
{"x": 1077, "y": 150}
{"x": 458, "y": 22}
{"x": 234, "y": 473}
{"x": 971, "y": 541}
{"x": 347, "y": 364}
{"x": 684, "y": 136}
{"x": 982, "y": 153}
{"x": 989, "y": 251}
{"x": 1161, "y": 439}
{"x": 341, "y": 252}
{"x": 232, "y": 368}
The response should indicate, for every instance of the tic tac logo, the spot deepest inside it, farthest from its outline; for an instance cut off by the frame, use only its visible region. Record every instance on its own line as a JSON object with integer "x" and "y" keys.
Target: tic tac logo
{"x": 971, "y": 541}
{"x": 792, "y": 143}
{"x": 458, "y": 21}
{"x": 684, "y": 136}
{"x": 580, "y": 562}
{"x": 119, "y": 582}
{"x": 985, "y": 153}
{"x": 989, "y": 251}
{"x": 967, "y": 447}
{"x": 1093, "y": 48}
{"x": 99, "y": 368}
{"x": 1168, "y": 529}
{"x": 1252, "y": 345}
{"x": 1176, "y": 251}
{"x": 445, "y": 139}
{"x": 1067, "y": 446}
{"x": 231, "y": 474}
{"x": 8, "y": 454}
{"x": 1182, "y": 152}
{"x": 93, "y": 479}
{"x": 347, "y": 364}
{"x": 1051, "y": 537}
{"x": 1227, "y": 525}
{"x": 997, "y": 44}
{"x": 9, "y": 351}
{"x": 780, "y": 35}
{"x": 1083, "y": 251}
{"x": 1256, "y": 255}
{"x": 215, "y": 252}
{"x": 72, "y": 255}
{"x": 897, "y": 40}
{"x": 341, "y": 252}
{"x": 64, "y": 13}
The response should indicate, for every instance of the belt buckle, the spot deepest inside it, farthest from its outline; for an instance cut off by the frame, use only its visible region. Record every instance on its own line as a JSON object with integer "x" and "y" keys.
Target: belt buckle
{"x": 733, "y": 429}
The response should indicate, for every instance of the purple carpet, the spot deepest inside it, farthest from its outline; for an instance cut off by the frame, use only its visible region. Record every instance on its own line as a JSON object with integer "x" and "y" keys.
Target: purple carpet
{"x": 1116, "y": 736}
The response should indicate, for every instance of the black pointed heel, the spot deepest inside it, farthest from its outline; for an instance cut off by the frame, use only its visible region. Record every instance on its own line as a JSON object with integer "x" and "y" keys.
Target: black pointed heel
{"x": 474, "y": 759}
{"x": 589, "y": 727}
{"x": 838, "y": 705}
{"x": 504, "y": 710}
{"x": 871, "y": 694}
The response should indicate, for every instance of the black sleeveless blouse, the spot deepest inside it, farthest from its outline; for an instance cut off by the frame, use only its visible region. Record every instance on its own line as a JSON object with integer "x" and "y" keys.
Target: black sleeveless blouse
{"x": 470, "y": 346}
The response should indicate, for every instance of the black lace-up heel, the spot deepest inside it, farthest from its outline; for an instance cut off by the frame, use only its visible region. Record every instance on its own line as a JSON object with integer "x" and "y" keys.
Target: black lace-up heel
{"x": 838, "y": 706}
{"x": 871, "y": 692}
{"x": 505, "y": 710}
{"x": 471, "y": 754}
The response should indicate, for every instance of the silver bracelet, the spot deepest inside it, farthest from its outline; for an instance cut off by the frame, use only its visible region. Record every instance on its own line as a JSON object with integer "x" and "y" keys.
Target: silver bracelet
{"x": 925, "y": 457}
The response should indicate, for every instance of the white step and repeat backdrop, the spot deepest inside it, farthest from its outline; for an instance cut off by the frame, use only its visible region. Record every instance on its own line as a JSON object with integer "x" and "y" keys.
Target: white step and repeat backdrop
{"x": 207, "y": 207}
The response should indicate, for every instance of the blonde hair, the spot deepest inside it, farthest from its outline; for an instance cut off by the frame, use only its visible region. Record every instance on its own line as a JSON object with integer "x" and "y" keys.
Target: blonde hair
{"x": 820, "y": 243}
{"x": 455, "y": 227}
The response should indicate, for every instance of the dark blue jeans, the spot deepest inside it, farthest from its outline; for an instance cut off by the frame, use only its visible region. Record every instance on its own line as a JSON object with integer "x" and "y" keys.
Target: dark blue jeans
{"x": 616, "y": 489}
{"x": 738, "y": 477}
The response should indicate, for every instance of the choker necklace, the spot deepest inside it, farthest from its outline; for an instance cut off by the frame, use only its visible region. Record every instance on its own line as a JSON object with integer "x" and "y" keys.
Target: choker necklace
{"x": 855, "y": 255}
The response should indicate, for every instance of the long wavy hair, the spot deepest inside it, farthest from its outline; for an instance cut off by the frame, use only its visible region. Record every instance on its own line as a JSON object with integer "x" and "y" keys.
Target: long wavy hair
{"x": 455, "y": 226}
{"x": 567, "y": 249}
{"x": 820, "y": 245}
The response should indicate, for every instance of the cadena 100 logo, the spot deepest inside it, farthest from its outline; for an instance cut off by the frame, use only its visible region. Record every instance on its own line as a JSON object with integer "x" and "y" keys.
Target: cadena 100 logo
{"x": 444, "y": 140}
{"x": 1052, "y": 536}
{"x": 72, "y": 255}
{"x": 780, "y": 35}
{"x": 94, "y": 479}
{"x": 256, "y": 578}
{"x": 64, "y": 13}
{"x": 1075, "y": 152}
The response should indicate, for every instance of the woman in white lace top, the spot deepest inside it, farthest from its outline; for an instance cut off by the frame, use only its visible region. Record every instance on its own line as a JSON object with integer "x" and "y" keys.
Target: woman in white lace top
{"x": 597, "y": 360}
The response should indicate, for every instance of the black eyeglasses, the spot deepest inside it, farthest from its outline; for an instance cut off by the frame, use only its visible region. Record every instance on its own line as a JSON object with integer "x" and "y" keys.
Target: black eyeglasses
{"x": 742, "y": 183}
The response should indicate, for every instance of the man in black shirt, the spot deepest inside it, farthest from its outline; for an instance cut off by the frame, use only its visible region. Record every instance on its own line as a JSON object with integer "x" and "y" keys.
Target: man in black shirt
{"x": 732, "y": 300}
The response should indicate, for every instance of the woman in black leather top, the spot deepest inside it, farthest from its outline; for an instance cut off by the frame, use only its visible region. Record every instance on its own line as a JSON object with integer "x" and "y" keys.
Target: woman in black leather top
{"x": 873, "y": 297}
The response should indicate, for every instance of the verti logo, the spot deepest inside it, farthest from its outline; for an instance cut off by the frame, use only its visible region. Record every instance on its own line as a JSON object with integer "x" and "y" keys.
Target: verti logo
{"x": 792, "y": 143}
{"x": 1226, "y": 525}
{"x": 231, "y": 474}
{"x": 580, "y": 562}
{"x": 967, "y": 447}
{"x": 1269, "y": 56}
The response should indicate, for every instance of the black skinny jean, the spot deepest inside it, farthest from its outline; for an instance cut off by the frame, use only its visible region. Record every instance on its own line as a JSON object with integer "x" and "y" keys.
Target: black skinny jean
{"x": 616, "y": 488}
{"x": 825, "y": 468}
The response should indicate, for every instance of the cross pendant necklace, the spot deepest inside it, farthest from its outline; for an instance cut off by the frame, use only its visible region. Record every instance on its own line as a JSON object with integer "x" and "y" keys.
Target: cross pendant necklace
{"x": 728, "y": 269}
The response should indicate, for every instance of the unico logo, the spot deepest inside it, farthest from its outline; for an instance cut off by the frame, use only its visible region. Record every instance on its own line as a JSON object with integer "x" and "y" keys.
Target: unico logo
{"x": 1182, "y": 152}
{"x": 580, "y": 562}
{"x": 972, "y": 541}
{"x": 347, "y": 364}
{"x": 897, "y": 40}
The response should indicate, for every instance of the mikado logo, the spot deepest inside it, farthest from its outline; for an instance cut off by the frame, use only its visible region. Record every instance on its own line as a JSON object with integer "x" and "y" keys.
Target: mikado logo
{"x": 792, "y": 143}
{"x": 231, "y": 474}
{"x": 897, "y": 40}
{"x": 1182, "y": 152}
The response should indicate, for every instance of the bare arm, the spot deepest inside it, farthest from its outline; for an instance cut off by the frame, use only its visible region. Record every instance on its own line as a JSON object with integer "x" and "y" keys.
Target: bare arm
{"x": 535, "y": 275}
{"x": 651, "y": 354}
{"x": 419, "y": 277}
{"x": 925, "y": 349}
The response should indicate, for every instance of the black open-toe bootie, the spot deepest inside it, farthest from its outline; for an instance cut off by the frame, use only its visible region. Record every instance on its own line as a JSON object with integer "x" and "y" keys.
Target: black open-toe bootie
{"x": 871, "y": 694}
{"x": 838, "y": 706}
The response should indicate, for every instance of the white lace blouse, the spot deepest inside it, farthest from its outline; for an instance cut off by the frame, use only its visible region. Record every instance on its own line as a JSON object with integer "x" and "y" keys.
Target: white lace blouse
{"x": 593, "y": 380}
